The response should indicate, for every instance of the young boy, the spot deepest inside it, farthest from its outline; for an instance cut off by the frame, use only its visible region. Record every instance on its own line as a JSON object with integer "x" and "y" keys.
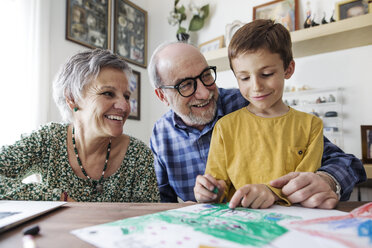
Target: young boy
{"x": 267, "y": 139}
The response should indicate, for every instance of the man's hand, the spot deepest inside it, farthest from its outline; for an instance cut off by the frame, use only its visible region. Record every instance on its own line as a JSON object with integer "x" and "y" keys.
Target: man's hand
{"x": 208, "y": 189}
{"x": 309, "y": 189}
{"x": 254, "y": 196}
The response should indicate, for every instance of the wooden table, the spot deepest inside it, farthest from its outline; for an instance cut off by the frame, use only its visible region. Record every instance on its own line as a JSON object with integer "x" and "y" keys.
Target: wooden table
{"x": 55, "y": 226}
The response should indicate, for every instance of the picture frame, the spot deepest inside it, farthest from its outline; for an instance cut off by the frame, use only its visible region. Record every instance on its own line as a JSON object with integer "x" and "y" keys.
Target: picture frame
{"x": 135, "y": 98}
{"x": 88, "y": 23}
{"x": 211, "y": 45}
{"x": 230, "y": 30}
{"x": 366, "y": 133}
{"x": 350, "y": 8}
{"x": 281, "y": 11}
{"x": 130, "y": 29}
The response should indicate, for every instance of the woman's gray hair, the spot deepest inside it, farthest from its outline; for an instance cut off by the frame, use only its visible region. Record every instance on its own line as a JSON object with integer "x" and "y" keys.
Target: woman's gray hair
{"x": 152, "y": 70}
{"x": 80, "y": 70}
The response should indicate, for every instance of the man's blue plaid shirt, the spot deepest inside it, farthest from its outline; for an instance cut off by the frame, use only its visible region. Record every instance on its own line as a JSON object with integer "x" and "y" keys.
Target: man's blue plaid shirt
{"x": 181, "y": 153}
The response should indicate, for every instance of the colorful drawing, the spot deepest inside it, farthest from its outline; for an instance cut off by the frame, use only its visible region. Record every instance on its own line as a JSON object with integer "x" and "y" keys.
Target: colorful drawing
{"x": 204, "y": 224}
{"x": 215, "y": 225}
{"x": 353, "y": 230}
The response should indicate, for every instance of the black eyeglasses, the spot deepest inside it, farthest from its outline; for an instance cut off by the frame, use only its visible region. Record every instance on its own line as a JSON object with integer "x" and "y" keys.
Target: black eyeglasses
{"x": 187, "y": 87}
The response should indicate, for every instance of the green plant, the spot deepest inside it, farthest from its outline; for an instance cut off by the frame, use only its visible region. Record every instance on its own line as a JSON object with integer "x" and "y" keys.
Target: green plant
{"x": 178, "y": 15}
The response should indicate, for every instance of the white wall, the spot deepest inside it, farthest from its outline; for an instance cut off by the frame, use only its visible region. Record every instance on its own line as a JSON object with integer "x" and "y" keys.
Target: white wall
{"x": 347, "y": 68}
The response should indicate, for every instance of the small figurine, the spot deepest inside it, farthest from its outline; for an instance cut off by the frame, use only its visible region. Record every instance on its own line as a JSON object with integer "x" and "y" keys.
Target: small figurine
{"x": 324, "y": 21}
{"x": 332, "y": 19}
{"x": 318, "y": 100}
{"x": 307, "y": 22}
{"x": 331, "y": 98}
{"x": 323, "y": 99}
{"x": 313, "y": 23}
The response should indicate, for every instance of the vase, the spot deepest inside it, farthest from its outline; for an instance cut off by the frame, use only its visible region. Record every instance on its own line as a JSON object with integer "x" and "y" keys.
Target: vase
{"x": 184, "y": 37}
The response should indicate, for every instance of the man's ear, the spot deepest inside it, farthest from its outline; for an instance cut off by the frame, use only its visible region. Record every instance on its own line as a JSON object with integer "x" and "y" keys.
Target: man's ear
{"x": 160, "y": 94}
{"x": 290, "y": 70}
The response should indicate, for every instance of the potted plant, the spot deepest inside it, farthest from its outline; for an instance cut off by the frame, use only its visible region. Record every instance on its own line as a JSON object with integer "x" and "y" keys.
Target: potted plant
{"x": 178, "y": 15}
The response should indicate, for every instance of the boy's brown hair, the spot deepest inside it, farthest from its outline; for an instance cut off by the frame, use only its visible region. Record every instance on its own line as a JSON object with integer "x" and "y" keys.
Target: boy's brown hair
{"x": 260, "y": 34}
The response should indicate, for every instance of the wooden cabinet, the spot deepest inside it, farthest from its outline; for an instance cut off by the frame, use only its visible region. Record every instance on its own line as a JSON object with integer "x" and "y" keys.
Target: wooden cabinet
{"x": 344, "y": 34}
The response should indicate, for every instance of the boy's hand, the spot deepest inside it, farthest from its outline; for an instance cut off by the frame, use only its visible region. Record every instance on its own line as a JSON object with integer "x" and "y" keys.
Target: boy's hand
{"x": 253, "y": 196}
{"x": 208, "y": 189}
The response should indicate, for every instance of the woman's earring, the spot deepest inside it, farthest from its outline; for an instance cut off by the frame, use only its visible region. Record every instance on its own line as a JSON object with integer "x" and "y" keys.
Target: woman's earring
{"x": 76, "y": 109}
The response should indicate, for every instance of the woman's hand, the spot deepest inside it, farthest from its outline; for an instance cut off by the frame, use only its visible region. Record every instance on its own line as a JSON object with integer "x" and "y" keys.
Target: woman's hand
{"x": 253, "y": 196}
{"x": 208, "y": 189}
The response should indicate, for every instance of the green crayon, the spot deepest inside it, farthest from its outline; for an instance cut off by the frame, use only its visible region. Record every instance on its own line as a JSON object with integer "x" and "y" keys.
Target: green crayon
{"x": 215, "y": 190}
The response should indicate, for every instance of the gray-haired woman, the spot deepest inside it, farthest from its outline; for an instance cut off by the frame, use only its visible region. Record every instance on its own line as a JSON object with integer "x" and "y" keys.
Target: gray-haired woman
{"x": 88, "y": 158}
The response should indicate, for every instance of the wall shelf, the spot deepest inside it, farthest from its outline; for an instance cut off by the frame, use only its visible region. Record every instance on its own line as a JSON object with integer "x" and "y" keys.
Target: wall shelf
{"x": 344, "y": 34}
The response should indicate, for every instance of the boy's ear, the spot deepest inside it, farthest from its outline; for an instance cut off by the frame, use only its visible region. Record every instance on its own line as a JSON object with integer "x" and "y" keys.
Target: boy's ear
{"x": 290, "y": 70}
{"x": 160, "y": 94}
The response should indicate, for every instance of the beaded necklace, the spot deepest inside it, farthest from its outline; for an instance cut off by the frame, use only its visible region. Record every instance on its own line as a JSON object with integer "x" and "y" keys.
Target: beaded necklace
{"x": 97, "y": 184}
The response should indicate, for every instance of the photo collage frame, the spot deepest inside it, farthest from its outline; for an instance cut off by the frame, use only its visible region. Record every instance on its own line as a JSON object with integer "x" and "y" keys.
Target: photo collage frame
{"x": 89, "y": 23}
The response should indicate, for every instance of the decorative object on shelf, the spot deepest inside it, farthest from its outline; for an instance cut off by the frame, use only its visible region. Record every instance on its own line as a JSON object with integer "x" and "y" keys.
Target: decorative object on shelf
{"x": 331, "y": 114}
{"x": 324, "y": 21}
{"x": 351, "y": 8}
{"x": 211, "y": 45}
{"x": 331, "y": 98}
{"x": 135, "y": 97}
{"x": 366, "y": 132}
{"x": 230, "y": 30}
{"x": 307, "y": 23}
{"x": 130, "y": 27}
{"x": 89, "y": 23}
{"x": 332, "y": 19}
{"x": 282, "y": 11}
{"x": 313, "y": 23}
{"x": 178, "y": 15}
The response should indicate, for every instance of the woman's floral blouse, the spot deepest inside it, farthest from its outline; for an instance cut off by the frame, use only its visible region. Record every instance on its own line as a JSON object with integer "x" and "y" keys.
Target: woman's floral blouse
{"x": 45, "y": 152}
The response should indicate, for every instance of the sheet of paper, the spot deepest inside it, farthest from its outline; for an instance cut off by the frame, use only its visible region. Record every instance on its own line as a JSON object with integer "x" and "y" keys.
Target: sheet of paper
{"x": 13, "y": 213}
{"x": 210, "y": 225}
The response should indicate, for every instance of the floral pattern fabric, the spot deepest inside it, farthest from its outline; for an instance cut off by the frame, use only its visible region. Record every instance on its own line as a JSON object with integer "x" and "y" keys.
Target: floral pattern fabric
{"x": 44, "y": 152}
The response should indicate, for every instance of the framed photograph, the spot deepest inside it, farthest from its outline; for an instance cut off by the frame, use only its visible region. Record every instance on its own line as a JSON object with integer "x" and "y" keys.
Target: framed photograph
{"x": 281, "y": 11}
{"x": 88, "y": 23}
{"x": 351, "y": 8}
{"x": 212, "y": 44}
{"x": 135, "y": 97}
{"x": 130, "y": 25}
{"x": 366, "y": 132}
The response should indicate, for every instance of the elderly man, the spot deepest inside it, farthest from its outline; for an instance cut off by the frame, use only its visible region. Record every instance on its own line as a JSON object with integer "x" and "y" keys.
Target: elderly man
{"x": 185, "y": 82}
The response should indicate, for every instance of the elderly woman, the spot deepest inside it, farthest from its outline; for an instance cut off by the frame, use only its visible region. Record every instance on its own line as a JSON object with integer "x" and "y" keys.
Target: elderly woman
{"x": 89, "y": 158}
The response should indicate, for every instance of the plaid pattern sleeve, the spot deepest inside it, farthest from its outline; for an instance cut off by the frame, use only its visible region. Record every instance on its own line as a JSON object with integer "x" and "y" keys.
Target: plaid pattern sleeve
{"x": 181, "y": 152}
{"x": 345, "y": 168}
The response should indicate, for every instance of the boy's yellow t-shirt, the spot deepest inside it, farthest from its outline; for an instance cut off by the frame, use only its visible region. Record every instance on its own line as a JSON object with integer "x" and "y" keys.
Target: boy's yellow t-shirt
{"x": 249, "y": 149}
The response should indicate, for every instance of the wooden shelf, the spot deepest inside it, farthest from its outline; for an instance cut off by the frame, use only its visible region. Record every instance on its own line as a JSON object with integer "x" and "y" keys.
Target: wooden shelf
{"x": 344, "y": 34}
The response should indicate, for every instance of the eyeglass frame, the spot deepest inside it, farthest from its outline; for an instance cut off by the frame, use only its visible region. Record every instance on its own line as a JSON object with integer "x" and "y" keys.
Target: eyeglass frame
{"x": 177, "y": 86}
